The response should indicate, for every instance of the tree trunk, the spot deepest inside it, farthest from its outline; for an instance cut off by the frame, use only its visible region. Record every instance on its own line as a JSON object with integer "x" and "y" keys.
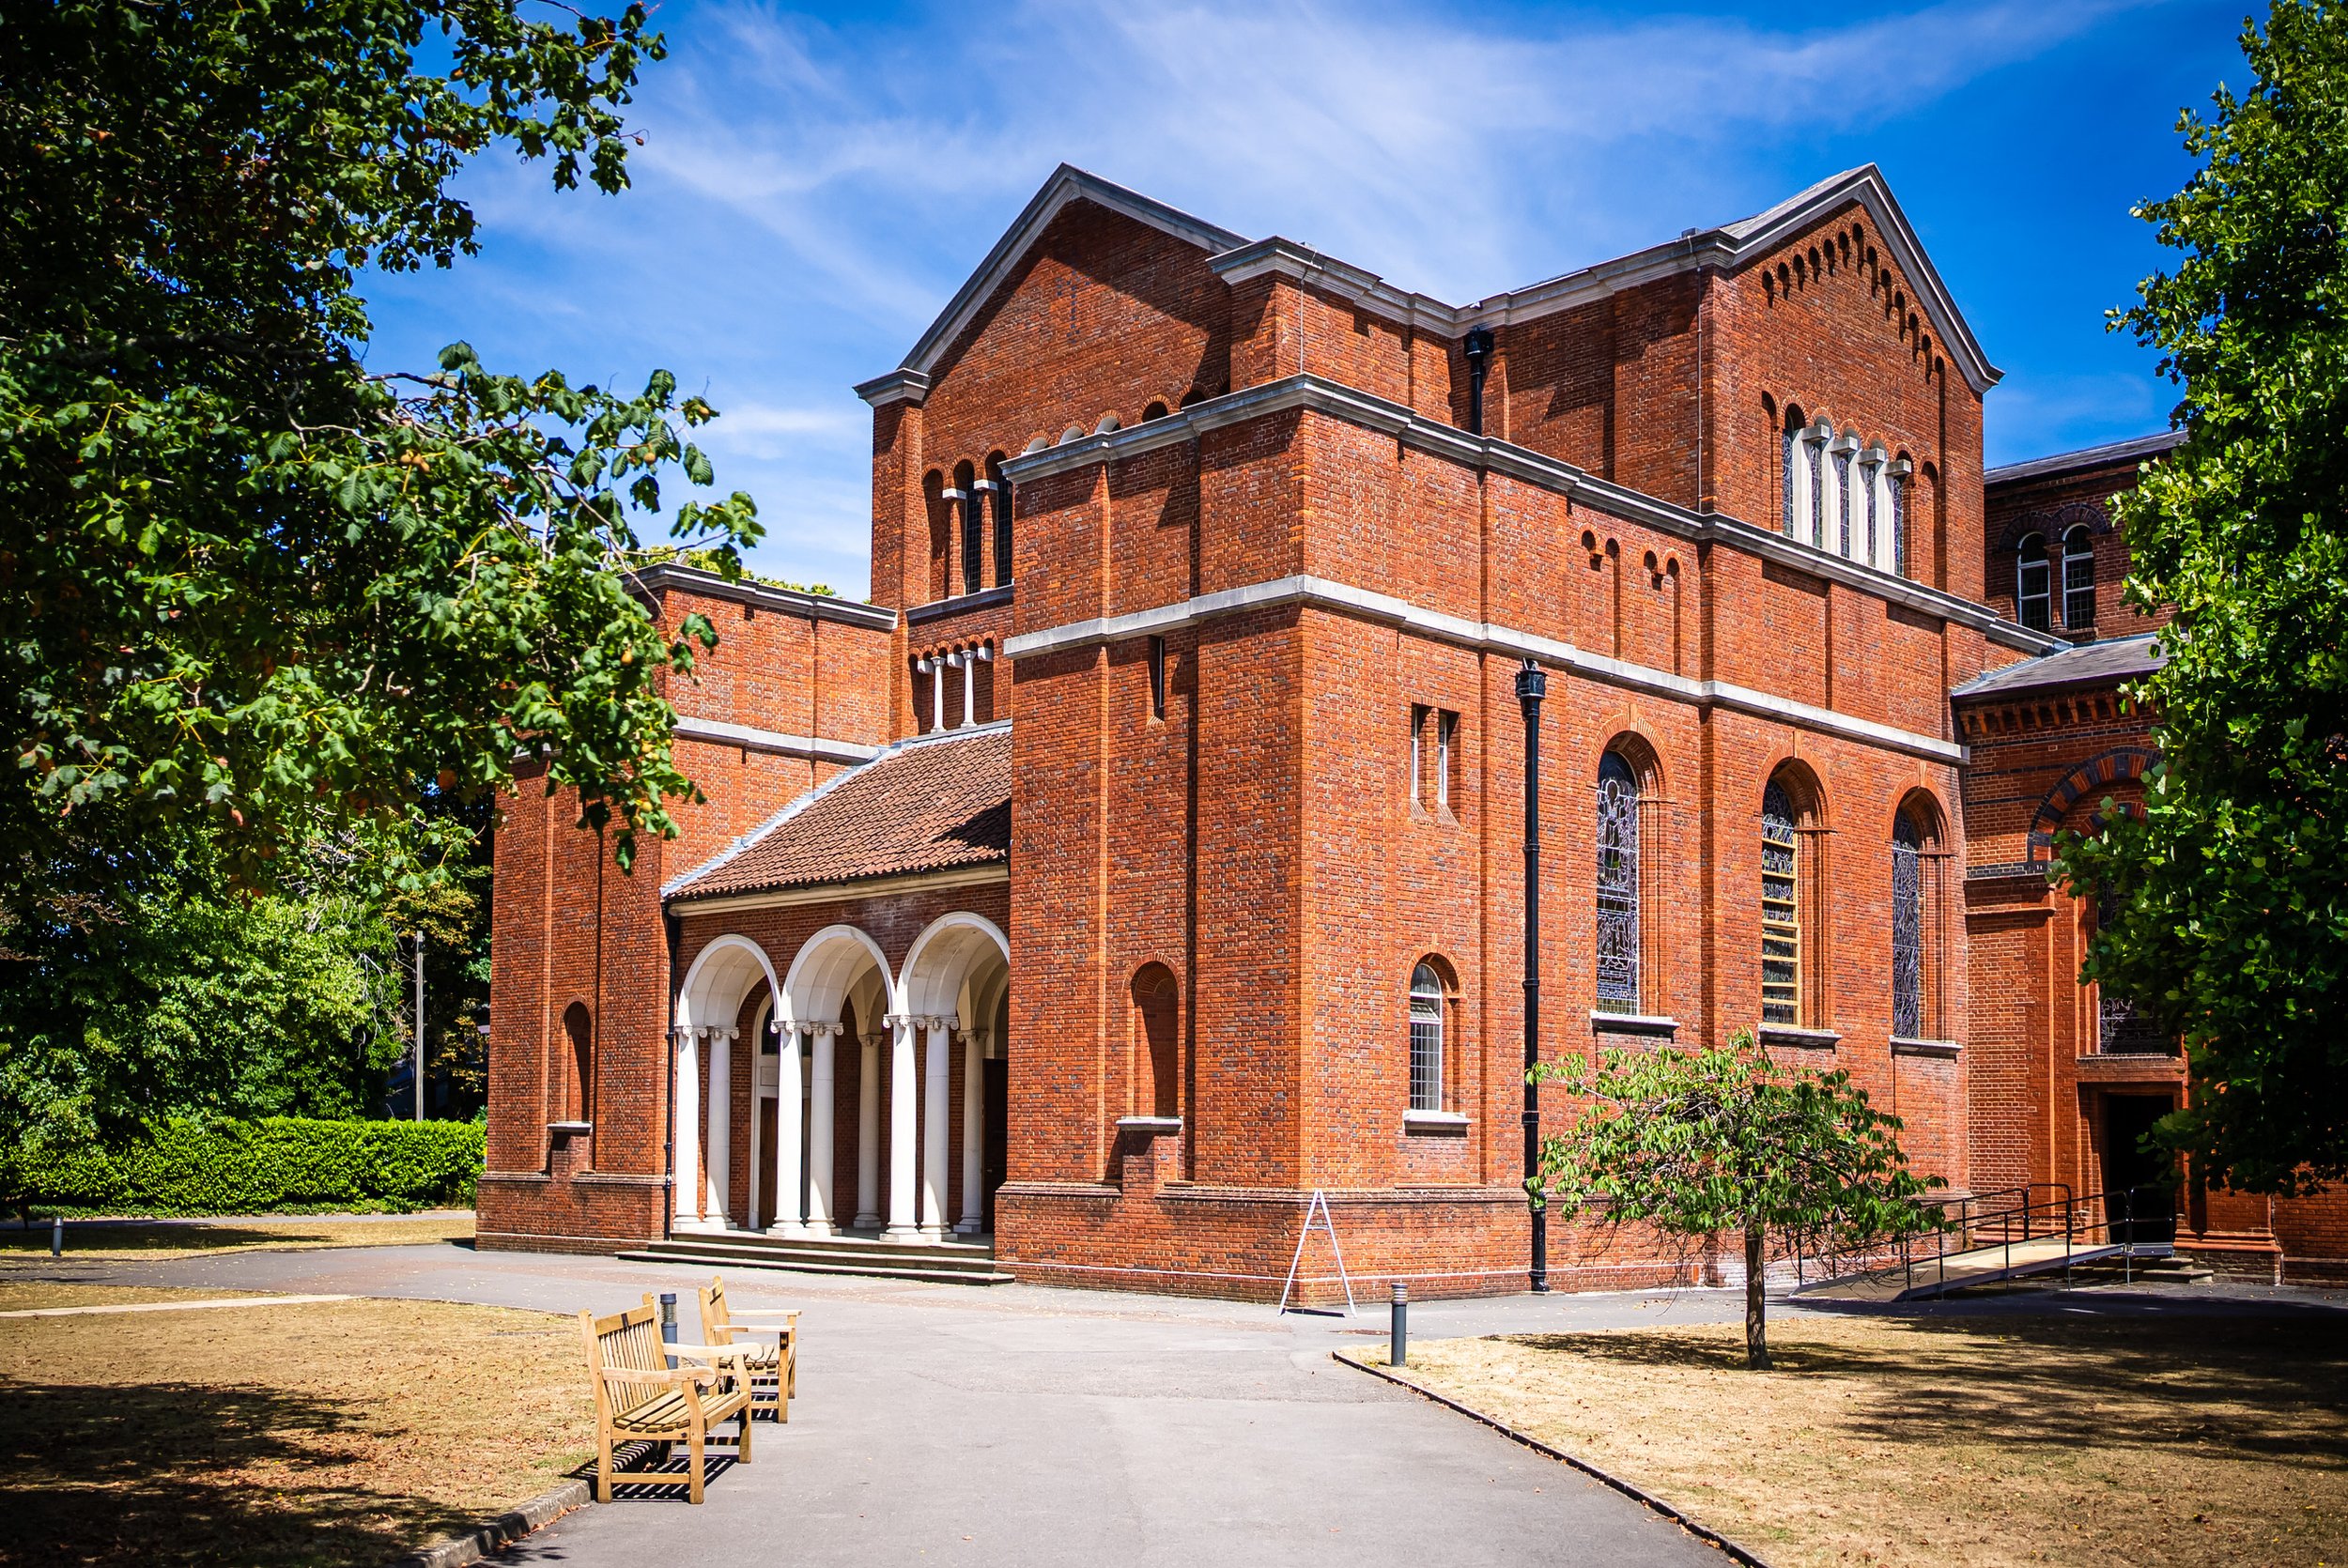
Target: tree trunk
{"x": 1756, "y": 1303}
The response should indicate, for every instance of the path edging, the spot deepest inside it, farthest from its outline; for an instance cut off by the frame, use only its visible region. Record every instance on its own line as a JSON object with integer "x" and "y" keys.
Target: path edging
{"x": 1735, "y": 1550}
{"x": 491, "y": 1536}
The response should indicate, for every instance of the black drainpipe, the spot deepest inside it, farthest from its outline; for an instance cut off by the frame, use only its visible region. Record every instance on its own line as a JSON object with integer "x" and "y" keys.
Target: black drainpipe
{"x": 674, "y": 932}
{"x": 1478, "y": 346}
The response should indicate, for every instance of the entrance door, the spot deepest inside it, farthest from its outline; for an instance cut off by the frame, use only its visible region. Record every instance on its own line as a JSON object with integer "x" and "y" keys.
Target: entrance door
{"x": 993, "y": 1160}
{"x": 766, "y": 1143}
{"x": 2127, "y": 1165}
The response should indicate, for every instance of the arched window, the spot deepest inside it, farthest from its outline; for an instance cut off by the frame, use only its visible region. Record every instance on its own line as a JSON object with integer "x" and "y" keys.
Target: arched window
{"x": 2078, "y": 580}
{"x": 973, "y": 530}
{"x": 1794, "y": 474}
{"x": 1001, "y": 496}
{"x": 1899, "y": 516}
{"x": 577, "y": 1102}
{"x": 1908, "y": 926}
{"x": 1427, "y": 999}
{"x": 1618, "y": 886}
{"x": 1843, "y": 499}
{"x": 1781, "y": 910}
{"x": 2029, "y": 583}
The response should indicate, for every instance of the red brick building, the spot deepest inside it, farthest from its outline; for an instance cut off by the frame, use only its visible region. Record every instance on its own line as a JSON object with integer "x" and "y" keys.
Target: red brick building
{"x": 1146, "y": 856}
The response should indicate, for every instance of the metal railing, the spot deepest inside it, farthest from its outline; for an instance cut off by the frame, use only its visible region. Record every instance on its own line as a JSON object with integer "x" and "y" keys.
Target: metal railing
{"x": 2086, "y": 1222}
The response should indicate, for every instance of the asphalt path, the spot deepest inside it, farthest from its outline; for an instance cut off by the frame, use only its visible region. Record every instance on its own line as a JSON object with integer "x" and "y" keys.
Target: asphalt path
{"x": 1024, "y": 1425}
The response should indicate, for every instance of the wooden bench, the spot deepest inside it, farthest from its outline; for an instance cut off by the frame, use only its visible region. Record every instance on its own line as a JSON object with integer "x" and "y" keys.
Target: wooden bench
{"x": 640, "y": 1397}
{"x": 773, "y": 1368}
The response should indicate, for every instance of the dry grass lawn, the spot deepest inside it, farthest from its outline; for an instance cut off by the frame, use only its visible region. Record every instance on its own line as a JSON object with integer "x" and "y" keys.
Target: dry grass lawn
{"x": 344, "y": 1432}
{"x": 195, "y": 1238}
{"x": 2053, "y": 1438}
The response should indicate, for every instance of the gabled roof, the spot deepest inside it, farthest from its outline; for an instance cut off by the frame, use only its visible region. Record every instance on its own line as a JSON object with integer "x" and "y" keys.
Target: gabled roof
{"x": 926, "y": 804}
{"x": 1728, "y": 247}
{"x": 2131, "y": 452}
{"x": 2114, "y": 659}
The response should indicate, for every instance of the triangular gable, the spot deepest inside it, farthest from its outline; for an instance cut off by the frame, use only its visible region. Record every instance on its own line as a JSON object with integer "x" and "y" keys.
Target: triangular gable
{"x": 1066, "y": 184}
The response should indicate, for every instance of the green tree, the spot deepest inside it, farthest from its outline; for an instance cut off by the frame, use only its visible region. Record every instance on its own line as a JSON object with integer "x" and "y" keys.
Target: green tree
{"x": 249, "y": 581}
{"x": 255, "y": 595}
{"x": 1723, "y": 1141}
{"x": 2227, "y": 901}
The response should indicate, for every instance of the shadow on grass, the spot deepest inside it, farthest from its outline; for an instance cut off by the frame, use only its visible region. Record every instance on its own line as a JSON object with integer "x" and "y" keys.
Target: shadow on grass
{"x": 147, "y": 1473}
{"x": 2250, "y": 1388}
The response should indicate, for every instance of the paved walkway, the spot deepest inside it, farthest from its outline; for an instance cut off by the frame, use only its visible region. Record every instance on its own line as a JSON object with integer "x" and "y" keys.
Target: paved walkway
{"x": 1022, "y": 1425}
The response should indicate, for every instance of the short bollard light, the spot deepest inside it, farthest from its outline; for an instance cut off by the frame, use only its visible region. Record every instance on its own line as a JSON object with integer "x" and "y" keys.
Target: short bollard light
{"x": 1398, "y": 1330}
{"x": 668, "y": 1320}
{"x": 56, "y": 1236}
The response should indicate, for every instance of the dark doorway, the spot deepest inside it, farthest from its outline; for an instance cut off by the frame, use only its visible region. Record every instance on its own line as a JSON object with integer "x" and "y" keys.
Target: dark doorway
{"x": 2148, "y": 1178}
{"x": 992, "y": 1165}
{"x": 767, "y": 1134}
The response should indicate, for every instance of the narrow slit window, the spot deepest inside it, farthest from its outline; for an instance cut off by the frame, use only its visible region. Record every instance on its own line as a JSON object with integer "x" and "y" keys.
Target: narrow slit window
{"x": 1157, "y": 677}
{"x": 1781, "y": 912}
{"x": 1447, "y": 756}
{"x": 1001, "y": 498}
{"x": 1419, "y": 753}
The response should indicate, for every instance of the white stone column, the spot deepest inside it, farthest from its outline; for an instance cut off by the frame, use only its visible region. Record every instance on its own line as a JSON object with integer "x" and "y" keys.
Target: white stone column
{"x": 819, "y": 1140}
{"x": 685, "y": 1178}
{"x": 935, "y": 670}
{"x": 901, "y": 1128}
{"x": 973, "y": 1130}
{"x": 969, "y": 658}
{"x": 933, "y": 1146}
{"x": 785, "y": 1207}
{"x": 720, "y": 1142}
{"x": 868, "y": 1135}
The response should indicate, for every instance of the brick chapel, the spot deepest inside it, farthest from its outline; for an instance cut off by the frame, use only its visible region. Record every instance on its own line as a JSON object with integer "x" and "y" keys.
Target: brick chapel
{"x": 1145, "y": 854}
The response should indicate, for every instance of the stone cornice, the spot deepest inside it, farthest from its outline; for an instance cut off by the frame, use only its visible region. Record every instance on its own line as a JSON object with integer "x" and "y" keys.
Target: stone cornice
{"x": 1320, "y": 395}
{"x": 773, "y": 742}
{"x": 789, "y": 601}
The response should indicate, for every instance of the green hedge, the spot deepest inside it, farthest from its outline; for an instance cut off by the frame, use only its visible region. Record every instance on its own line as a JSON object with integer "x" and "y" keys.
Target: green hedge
{"x": 191, "y": 1166}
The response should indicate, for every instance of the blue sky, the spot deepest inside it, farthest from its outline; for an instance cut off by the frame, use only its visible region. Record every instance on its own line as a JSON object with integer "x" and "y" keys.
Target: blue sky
{"x": 815, "y": 184}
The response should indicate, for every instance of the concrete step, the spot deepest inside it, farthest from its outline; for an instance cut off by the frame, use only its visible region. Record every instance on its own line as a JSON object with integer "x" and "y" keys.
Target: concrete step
{"x": 947, "y": 1262}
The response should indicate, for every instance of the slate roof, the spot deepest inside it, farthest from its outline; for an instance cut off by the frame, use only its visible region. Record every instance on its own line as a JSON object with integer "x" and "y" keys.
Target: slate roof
{"x": 2089, "y": 664}
{"x": 2133, "y": 451}
{"x": 926, "y": 804}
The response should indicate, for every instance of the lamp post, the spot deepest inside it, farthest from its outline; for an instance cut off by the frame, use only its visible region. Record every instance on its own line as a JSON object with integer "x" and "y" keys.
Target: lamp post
{"x": 1532, "y": 685}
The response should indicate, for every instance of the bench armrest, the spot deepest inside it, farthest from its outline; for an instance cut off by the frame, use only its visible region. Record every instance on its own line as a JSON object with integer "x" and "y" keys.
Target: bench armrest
{"x": 682, "y": 1376}
{"x": 763, "y": 1312}
{"x": 713, "y": 1352}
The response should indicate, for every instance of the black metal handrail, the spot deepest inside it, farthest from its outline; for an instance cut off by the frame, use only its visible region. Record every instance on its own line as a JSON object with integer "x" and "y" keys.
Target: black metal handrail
{"x": 2080, "y": 1219}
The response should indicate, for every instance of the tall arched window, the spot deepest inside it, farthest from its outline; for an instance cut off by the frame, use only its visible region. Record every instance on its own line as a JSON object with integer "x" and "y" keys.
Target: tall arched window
{"x": 1001, "y": 496}
{"x": 1792, "y": 478}
{"x": 1843, "y": 499}
{"x": 973, "y": 530}
{"x": 1781, "y": 910}
{"x": 1899, "y": 516}
{"x": 1618, "y": 886}
{"x": 1427, "y": 999}
{"x": 2078, "y": 580}
{"x": 1815, "y": 470}
{"x": 1908, "y": 926}
{"x": 2029, "y": 583}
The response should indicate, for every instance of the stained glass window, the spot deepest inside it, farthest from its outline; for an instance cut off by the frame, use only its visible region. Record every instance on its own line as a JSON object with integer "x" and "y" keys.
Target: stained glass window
{"x": 1907, "y": 929}
{"x": 1781, "y": 913}
{"x": 1618, "y": 886}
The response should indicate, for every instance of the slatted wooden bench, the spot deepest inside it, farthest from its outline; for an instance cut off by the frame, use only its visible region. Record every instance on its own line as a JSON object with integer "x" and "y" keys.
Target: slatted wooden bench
{"x": 640, "y": 1397}
{"x": 774, "y": 1368}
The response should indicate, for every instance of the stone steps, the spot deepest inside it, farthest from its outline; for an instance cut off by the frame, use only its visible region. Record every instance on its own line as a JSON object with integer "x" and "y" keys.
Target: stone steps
{"x": 859, "y": 1257}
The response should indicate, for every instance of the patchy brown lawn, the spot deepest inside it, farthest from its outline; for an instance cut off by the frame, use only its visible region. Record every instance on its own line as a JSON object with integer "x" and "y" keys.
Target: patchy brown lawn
{"x": 2058, "y": 1438}
{"x": 195, "y": 1239}
{"x": 342, "y": 1432}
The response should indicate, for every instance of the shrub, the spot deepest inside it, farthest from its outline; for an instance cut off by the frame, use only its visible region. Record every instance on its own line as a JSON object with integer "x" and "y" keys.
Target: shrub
{"x": 204, "y": 1167}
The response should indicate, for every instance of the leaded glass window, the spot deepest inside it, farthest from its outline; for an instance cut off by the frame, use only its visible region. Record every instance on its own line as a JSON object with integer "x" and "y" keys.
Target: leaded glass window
{"x": 1618, "y": 886}
{"x": 1899, "y": 526}
{"x": 1793, "y": 478}
{"x": 1781, "y": 912}
{"x": 2029, "y": 583}
{"x": 1867, "y": 493}
{"x": 2079, "y": 580}
{"x": 1425, "y": 1039}
{"x": 1842, "y": 500}
{"x": 2121, "y": 1026}
{"x": 1818, "y": 492}
{"x": 1907, "y": 929}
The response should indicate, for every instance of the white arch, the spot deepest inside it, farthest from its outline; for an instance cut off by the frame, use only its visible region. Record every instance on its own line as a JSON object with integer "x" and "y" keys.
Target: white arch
{"x": 942, "y": 958}
{"x": 707, "y": 1003}
{"x": 827, "y": 967}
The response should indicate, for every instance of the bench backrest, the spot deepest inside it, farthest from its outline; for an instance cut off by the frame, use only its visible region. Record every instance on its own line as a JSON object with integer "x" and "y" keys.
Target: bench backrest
{"x": 716, "y": 1323}
{"x": 624, "y": 1343}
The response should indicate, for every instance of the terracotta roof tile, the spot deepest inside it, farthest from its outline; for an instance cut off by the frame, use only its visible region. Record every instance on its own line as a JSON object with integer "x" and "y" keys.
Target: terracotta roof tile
{"x": 922, "y": 807}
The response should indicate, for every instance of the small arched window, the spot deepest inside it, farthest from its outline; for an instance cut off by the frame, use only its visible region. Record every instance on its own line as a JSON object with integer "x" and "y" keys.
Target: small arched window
{"x": 1781, "y": 910}
{"x": 1617, "y": 884}
{"x": 1843, "y": 499}
{"x": 973, "y": 528}
{"x": 1793, "y": 473}
{"x": 1001, "y": 495}
{"x": 578, "y": 1100}
{"x": 1899, "y": 516}
{"x": 1426, "y": 1000}
{"x": 2029, "y": 583}
{"x": 2079, "y": 580}
{"x": 1908, "y": 926}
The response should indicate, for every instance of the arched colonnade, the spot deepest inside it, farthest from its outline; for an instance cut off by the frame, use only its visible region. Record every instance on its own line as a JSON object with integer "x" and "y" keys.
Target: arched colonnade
{"x": 839, "y": 996}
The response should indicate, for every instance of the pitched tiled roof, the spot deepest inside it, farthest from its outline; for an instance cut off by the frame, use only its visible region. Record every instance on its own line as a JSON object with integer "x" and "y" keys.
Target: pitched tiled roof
{"x": 2114, "y": 659}
{"x": 924, "y": 806}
